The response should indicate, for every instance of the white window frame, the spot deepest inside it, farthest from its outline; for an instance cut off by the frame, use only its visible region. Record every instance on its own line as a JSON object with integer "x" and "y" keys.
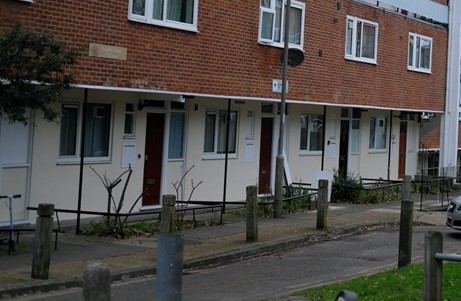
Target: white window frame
{"x": 373, "y": 148}
{"x": 353, "y": 53}
{"x": 413, "y": 63}
{"x": 306, "y": 150}
{"x": 272, "y": 10}
{"x": 72, "y": 159}
{"x": 133, "y": 121}
{"x": 148, "y": 18}
{"x": 214, "y": 154}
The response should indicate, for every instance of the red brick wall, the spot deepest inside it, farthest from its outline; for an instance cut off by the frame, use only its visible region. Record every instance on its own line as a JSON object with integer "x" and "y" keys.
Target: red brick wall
{"x": 224, "y": 57}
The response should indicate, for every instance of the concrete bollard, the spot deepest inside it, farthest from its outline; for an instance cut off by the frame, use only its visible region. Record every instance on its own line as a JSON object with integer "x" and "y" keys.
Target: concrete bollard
{"x": 322, "y": 204}
{"x": 41, "y": 252}
{"x": 96, "y": 282}
{"x": 406, "y": 224}
{"x": 251, "y": 214}
{"x": 167, "y": 219}
{"x": 170, "y": 252}
{"x": 432, "y": 266}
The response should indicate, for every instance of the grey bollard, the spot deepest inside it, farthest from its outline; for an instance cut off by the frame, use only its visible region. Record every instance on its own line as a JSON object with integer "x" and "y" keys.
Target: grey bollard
{"x": 167, "y": 219}
{"x": 406, "y": 224}
{"x": 251, "y": 214}
{"x": 433, "y": 267}
{"x": 96, "y": 282}
{"x": 322, "y": 204}
{"x": 170, "y": 252}
{"x": 41, "y": 252}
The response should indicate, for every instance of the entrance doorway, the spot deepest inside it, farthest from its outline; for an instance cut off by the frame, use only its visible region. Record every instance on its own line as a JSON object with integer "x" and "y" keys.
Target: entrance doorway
{"x": 265, "y": 156}
{"x": 343, "y": 148}
{"x": 153, "y": 159}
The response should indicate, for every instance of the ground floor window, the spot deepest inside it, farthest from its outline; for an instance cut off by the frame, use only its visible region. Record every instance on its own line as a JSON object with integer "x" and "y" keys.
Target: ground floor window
{"x": 216, "y": 131}
{"x": 378, "y": 133}
{"x": 176, "y": 138}
{"x": 311, "y": 132}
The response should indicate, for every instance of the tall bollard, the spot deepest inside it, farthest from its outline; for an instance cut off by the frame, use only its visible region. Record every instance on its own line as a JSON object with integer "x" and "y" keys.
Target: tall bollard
{"x": 433, "y": 267}
{"x": 406, "y": 224}
{"x": 322, "y": 203}
{"x": 41, "y": 251}
{"x": 96, "y": 282}
{"x": 170, "y": 251}
{"x": 252, "y": 214}
{"x": 167, "y": 218}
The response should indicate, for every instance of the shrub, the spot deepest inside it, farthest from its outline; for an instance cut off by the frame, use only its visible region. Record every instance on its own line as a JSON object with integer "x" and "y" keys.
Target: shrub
{"x": 345, "y": 189}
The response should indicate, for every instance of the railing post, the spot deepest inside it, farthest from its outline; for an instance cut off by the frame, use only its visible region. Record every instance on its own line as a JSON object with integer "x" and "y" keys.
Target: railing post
{"x": 406, "y": 224}
{"x": 251, "y": 214}
{"x": 433, "y": 267}
{"x": 96, "y": 282}
{"x": 170, "y": 251}
{"x": 167, "y": 218}
{"x": 41, "y": 252}
{"x": 322, "y": 203}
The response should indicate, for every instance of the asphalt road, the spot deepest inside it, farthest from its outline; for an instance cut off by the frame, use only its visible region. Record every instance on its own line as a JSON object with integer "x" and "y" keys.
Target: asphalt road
{"x": 275, "y": 276}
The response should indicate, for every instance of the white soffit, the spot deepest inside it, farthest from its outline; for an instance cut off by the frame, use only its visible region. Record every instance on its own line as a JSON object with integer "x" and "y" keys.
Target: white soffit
{"x": 426, "y": 8}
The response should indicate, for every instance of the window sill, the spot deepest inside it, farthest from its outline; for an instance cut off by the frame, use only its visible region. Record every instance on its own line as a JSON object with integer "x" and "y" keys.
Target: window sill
{"x": 280, "y": 45}
{"x": 169, "y": 24}
{"x": 303, "y": 153}
{"x": 218, "y": 157}
{"x": 75, "y": 161}
{"x": 367, "y": 61}
{"x": 377, "y": 151}
{"x": 419, "y": 70}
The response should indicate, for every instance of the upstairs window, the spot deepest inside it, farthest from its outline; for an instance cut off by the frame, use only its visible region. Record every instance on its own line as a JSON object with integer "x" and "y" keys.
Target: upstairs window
{"x": 419, "y": 53}
{"x": 361, "y": 40}
{"x": 180, "y": 14}
{"x": 311, "y": 133}
{"x": 272, "y": 23}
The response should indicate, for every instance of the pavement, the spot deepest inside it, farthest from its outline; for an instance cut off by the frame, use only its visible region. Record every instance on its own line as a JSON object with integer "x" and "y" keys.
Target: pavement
{"x": 203, "y": 247}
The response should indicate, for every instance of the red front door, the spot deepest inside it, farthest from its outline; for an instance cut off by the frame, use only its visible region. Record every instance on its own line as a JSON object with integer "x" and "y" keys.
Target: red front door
{"x": 265, "y": 156}
{"x": 402, "y": 148}
{"x": 153, "y": 159}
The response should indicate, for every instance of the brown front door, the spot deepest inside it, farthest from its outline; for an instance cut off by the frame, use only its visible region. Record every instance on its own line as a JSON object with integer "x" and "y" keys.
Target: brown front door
{"x": 265, "y": 156}
{"x": 402, "y": 148}
{"x": 153, "y": 159}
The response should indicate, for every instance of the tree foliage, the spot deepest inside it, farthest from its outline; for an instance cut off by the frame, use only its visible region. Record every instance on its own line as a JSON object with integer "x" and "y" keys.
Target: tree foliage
{"x": 34, "y": 70}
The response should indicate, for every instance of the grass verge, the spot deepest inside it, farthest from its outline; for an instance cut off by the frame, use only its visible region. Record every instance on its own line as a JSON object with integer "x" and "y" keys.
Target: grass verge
{"x": 400, "y": 284}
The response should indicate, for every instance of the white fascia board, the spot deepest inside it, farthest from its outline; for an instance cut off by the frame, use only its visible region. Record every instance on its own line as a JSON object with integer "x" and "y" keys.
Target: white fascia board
{"x": 426, "y": 8}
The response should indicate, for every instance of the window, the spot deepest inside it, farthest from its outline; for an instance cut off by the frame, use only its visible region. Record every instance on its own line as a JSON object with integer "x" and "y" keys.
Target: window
{"x": 419, "y": 53}
{"x": 129, "y": 120}
{"x": 311, "y": 133}
{"x": 97, "y": 131}
{"x": 180, "y": 14}
{"x": 378, "y": 133}
{"x": 361, "y": 40}
{"x": 272, "y": 24}
{"x": 176, "y": 139}
{"x": 215, "y": 132}
{"x": 355, "y": 137}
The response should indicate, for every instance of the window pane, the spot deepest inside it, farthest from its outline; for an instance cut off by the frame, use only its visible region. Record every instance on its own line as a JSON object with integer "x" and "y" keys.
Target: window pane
{"x": 69, "y": 122}
{"x": 233, "y": 132}
{"x": 97, "y": 129}
{"x": 358, "y": 41}
{"x": 295, "y": 26}
{"x": 425, "y": 54}
{"x": 380, "y": 134}
{"x": 303, "y": 139}
{"x": 411, "y": 45}
{"x": 210, "y": 120}
{"x": 180, "y": 10}
{"x": 222, "y": 132}
{"x": 349, "y": 31}
{"x": 418, "y": 45}
{"x": 316, "y": 133}
{"x": 266, "y": 25}
{"x": 355, "y": 137}
{"x": 176, "y": 141}
{"x": 278, "y": 21}
{"x": 138, "y": 7}
{"x": 157, "y": 10}
{"x": 372, "y": 133}
{"x": 368, "y": 41}
{"x": 266, "y": 3}
{"x": 129, "y": 121}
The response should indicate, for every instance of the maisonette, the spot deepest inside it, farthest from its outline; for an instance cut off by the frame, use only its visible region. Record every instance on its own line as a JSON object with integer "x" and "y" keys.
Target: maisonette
{"x": 187, "y": 94}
